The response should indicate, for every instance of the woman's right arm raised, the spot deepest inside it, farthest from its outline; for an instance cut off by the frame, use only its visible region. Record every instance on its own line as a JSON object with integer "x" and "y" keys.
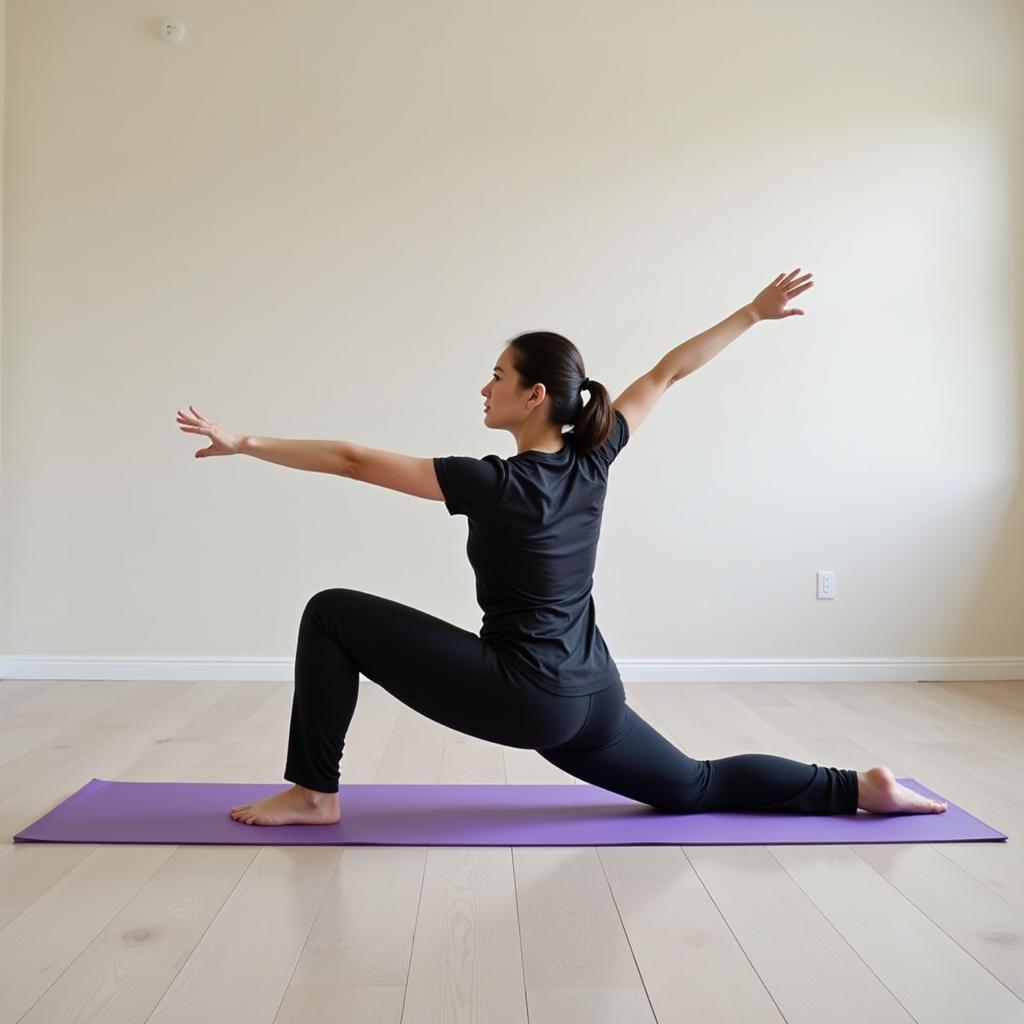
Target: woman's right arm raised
{"x": 636, "y": 402}
{"x": 768, "y": 304}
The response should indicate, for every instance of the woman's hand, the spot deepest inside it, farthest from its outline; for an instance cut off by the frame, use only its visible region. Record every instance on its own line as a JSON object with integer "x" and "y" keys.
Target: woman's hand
{"x": 770, "y": 302}
{"x": 223, "y": 441}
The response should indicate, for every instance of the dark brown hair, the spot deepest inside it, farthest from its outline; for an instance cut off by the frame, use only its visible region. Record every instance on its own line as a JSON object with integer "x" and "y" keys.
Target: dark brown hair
{"x": 542, "y": 357}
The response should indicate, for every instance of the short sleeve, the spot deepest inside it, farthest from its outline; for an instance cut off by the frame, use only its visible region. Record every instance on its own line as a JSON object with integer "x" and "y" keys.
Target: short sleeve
{"x": 617, "y": 439}
{"x": 470, "y": 486}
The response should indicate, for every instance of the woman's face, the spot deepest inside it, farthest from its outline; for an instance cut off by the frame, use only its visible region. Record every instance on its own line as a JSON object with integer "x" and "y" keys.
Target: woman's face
{"x": 499, "y": 391}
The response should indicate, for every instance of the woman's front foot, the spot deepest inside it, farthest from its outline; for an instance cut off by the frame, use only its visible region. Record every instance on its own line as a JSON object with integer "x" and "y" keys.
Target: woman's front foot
{"x": 295, "y": 806}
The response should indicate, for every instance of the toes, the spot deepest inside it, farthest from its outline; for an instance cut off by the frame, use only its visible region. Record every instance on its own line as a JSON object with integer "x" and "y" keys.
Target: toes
{"x": 239, "y": 812}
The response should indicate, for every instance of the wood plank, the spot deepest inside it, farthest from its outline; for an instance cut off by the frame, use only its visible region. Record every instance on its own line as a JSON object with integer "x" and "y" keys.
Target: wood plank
{"x": 466, "y": 962}
{"x": 930, "y": 974}
{"x": 692, "y": 966}
{"x": 574, "y": 946}
{"x": 330, "y": 1004}
{"x": 986, "y": 926}
{"x": 810, "y": 970}
{"x": 241, "y": 966}
{"x": 125, "y": 970}
{"x": 45, "y": 938}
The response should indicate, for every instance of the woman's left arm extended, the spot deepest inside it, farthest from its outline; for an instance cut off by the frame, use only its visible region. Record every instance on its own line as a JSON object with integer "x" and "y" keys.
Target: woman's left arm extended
{"x": 403, "y": 473}
{"x": 316, "y": 456}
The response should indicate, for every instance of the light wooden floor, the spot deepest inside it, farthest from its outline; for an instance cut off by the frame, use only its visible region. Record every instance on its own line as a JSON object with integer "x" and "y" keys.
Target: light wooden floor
{"x": 193, "y": 934}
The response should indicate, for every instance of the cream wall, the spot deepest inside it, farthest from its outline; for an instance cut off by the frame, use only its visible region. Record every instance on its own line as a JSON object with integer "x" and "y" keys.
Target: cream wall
{"x": 324, "y": 219}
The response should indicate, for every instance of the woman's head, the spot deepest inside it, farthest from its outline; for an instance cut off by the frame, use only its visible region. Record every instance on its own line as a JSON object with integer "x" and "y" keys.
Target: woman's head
{"x": 539, "y": 374}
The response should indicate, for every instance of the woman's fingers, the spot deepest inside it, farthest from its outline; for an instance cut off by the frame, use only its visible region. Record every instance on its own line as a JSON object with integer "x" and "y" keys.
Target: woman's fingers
{"x": 788, "y": 281}
{"x": 792, "y": 293}
{"x": 197, "y": 417}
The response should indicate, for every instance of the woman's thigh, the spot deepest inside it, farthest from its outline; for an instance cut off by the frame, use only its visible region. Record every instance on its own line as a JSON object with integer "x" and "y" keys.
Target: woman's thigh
{"x": 444, "y": 672}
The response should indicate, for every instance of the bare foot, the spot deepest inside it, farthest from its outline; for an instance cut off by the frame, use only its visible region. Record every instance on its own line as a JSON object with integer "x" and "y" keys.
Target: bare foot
{"x": 295, "y": 806}
{"x": 880, "y": 792}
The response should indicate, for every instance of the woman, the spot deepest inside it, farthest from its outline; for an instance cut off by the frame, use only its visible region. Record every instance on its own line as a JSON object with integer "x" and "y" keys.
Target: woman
{"x": 539, "y": 675}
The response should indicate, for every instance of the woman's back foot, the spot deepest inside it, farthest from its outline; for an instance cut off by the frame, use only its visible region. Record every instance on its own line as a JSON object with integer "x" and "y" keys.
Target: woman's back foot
{"x": 880, "y": 793}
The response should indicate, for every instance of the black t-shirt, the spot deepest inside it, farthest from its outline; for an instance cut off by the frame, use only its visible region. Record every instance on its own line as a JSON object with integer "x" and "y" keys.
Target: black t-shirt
{"x": 534, "y": 523}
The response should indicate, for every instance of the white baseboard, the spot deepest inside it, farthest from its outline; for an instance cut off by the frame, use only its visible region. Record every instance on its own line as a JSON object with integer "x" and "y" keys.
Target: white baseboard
{"x": 632, "y": 670}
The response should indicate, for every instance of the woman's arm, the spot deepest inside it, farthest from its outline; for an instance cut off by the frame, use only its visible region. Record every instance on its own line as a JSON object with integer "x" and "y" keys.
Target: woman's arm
{"x": 404, "y": 473}
{"x": 693, "y": 354}
{"x": 357, "y": 462}
{"x": 768, "y": 304}
{"x": 315, "y": 456}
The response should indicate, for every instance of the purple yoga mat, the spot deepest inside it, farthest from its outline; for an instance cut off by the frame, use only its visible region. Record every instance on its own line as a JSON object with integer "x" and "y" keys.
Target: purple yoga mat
{"x": 464, "y": 815}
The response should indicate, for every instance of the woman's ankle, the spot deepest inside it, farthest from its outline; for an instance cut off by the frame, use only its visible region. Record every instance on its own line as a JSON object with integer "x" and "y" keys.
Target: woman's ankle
{"x": 314, "y": 796}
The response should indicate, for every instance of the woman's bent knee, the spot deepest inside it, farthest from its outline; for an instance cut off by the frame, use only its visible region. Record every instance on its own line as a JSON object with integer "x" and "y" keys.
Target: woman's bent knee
{"x": 332, "y": 597}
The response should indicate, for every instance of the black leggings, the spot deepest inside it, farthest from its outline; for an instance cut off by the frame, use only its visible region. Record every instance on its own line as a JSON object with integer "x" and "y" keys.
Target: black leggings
{"x": 455, "y": 678}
